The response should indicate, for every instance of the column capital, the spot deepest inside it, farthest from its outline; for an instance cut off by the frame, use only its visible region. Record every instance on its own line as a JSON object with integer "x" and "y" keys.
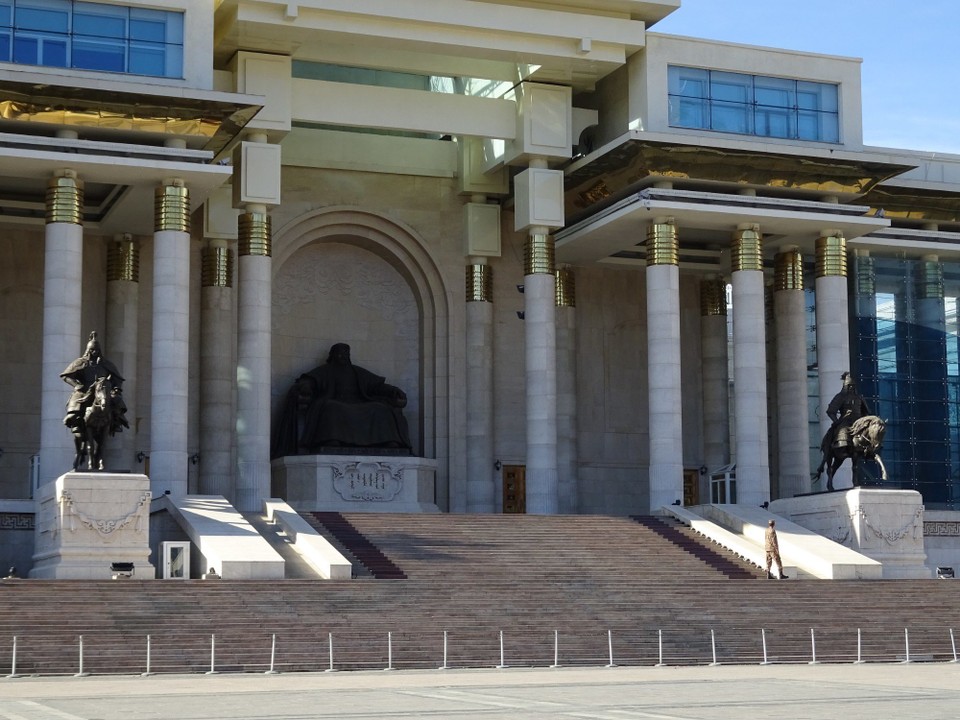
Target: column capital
{"x": 479, "y": 283}
{"x": 831, "y": 254}
{"x": 123, "y": 259}
{"x": 663, "y": 246}
{"x": 747, "y": 248}
{"x": 171, "y": 206}
{"x": 255, "y": 234}
{"x": 538, "y": 255}
{"x": 788, "y": 270}
{"x": 65, "y": 198}
{"x": 566, "y": 290}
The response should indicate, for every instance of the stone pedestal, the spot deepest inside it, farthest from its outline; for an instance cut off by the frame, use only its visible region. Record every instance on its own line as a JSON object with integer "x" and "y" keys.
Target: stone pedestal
{"x": 356, "y": 483}
{"x": 885, "y": 525}
{"x": 88, "y": 521}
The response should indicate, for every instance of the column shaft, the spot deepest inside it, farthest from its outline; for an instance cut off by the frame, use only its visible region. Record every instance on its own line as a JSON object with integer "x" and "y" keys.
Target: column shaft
{"x": 217, "y": 374}
{"x": 122, "y": 333}
{"x": 540, "y": 332}
{"x": 833, "y": 336}
{"x": 750, "y": 370}
{"x": 716, "y": 402}
{"x": 481, "y": 490}
{"x": 567, "y": 459}
{"x": 254, "y": 280}
{"x": 663, "y": 366}
{"x": 62, "y": 295}
{"x": 793, "y": 458}
{"x": 171, "y": 342}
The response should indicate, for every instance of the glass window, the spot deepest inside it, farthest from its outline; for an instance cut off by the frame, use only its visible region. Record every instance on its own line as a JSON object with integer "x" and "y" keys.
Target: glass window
{"x": 92, "y": 36}
{"x": 752, "y": 104}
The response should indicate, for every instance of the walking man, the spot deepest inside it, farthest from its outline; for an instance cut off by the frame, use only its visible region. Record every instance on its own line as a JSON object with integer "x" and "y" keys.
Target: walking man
{"x": 772, "y": 546}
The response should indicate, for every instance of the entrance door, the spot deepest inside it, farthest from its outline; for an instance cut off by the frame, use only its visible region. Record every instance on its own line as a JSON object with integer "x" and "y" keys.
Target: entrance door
{"x": 176, "y": 560}
{"x": 514, "y": 488}
{"x": 691, "y": 487}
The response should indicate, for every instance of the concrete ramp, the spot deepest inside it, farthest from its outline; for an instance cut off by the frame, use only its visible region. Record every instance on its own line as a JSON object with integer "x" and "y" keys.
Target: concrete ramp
{"x": 812, "y": 554}
{"x": 228, "y": 543}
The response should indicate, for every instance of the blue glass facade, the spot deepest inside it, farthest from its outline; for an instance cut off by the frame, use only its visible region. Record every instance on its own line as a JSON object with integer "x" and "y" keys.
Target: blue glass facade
{"x": 904, "y": 352}
{"x": 92, "y": 36}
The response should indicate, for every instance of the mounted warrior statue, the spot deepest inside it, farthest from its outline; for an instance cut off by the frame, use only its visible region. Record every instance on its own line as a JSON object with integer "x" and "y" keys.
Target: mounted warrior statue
{"x": 96, "y": 405}
{"x": 854, "y": 434}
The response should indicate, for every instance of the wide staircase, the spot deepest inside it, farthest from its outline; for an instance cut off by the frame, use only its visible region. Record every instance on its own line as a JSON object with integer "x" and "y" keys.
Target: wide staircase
{"x": 479, "y": 591}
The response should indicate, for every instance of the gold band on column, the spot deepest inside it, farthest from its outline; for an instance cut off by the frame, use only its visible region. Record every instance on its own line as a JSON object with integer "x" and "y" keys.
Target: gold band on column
{"x": 216, "y": 267}
{"x": 713, "y": 297}
{"x": 663, "y": 248}
{"x": 479, "y": 278}
{"x": 788, "y": 271}
{"x": 566, "y": 288}
{"x": 930, "y": 280}
{"x": 65, "y": 200}
{"x": 832, "y": 255}
{"x": 123, "y": 260}
{"x": 866, "y": 276}
{"x": 171, "y": 208}
{"x": 538, "y": 255}
{"x": 747, "y": 249}
{"x": 254, "y": 230}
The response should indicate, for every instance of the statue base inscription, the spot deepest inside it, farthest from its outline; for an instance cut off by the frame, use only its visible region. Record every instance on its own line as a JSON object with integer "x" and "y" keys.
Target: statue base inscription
{"x": 86, "y": 522}
{"x": 355, "y": 483}
{"x": 884, "y": 525}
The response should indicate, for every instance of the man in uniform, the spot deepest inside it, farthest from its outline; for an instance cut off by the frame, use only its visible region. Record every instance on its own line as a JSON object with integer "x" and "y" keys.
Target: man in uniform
{"x": 772, "y": 547}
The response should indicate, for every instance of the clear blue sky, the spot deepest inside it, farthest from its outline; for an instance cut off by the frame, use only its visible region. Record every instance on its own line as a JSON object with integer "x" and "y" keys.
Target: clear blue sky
{"x": 910, "y": 50}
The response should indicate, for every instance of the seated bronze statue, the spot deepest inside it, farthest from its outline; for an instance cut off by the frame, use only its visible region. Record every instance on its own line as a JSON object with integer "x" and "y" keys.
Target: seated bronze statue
{"x": 338, "y": 406}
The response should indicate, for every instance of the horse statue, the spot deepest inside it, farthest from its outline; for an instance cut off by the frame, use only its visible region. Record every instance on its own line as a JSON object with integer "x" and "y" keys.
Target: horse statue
{"x": 866, "y": 442}
{"x": 103, "y": 414}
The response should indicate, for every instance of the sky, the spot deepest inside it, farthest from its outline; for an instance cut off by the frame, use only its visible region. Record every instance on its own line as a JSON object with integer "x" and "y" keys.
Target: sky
{"x": 910, "y": 51}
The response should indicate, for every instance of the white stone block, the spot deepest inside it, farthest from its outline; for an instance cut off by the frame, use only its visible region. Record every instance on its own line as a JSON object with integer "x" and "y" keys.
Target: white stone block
{"x": 481, "y": 229}
{"x": 538, "y": 194}
{"x": 256, "y": 176}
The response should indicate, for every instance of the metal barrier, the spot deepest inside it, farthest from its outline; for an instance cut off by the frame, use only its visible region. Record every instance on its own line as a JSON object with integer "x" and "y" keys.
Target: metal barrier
{"x": 471, "y": 648}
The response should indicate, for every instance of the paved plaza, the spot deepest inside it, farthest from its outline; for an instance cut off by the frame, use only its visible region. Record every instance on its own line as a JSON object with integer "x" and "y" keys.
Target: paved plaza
{"x": 821, "y": 692}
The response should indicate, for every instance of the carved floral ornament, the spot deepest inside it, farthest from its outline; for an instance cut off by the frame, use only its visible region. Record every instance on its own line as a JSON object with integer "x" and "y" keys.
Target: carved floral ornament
{"x": 913, "y": 526}
{"x": 106, "y": 526}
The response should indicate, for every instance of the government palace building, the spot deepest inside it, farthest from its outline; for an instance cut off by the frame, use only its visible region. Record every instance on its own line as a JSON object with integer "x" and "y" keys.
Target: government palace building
{"x": 608, "y": 270}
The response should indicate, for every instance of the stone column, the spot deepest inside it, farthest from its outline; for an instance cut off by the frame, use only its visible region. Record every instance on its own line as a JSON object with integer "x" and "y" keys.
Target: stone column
{"x": 663, "y": 366}
{"x": 566, "y": 302}
{"x": 750, "y": 367}
{"x": 217, "y": 372}
{"x": 481, "y": 489}
{"x": 793, "y": 460}
{"x": 120, "y": 343}
{"x": 833, "y": 339}
{"x": 254, "y": 279}
{"x": 62, "y": 294}
{"x": 171, "y": 340}
{"x": 540, "y": 332}
{"x": 716, "y": 400}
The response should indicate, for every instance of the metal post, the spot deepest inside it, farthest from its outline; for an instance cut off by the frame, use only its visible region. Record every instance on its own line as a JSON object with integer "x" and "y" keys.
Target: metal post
{"x": 389, "y": 651}
{"x": 502, "y": 664}
{"x": 81, "y": 673}
{"x": 859, "y": 649}
{"x": 330, "y": 646}
{"x": 906, "y": 642}
{"x": 813, "y": 648}
{"x": 213, "y": 655}
{"x": 953, "y": 644}
{"x": 713, "y": 647}
{"x": 660, "y": 647}
{"x": 13, "y": 661}
{"x": 444, "y": 666}
{"x": 556, "y": 649}
{"x": 763, "y": 637}
{"x": 273, "y": 655}
{"x": 610, "y": 648}
{"x": 147, "y": 673}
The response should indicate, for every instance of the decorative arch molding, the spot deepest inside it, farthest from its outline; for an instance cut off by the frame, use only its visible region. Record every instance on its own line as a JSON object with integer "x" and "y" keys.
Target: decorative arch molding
{"x": 401, "y": 247}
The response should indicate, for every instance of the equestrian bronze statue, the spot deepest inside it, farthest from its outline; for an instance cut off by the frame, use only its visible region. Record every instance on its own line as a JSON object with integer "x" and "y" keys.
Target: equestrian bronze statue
{"x": 96, "y": 406}
{"x": 855, "y": 435}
